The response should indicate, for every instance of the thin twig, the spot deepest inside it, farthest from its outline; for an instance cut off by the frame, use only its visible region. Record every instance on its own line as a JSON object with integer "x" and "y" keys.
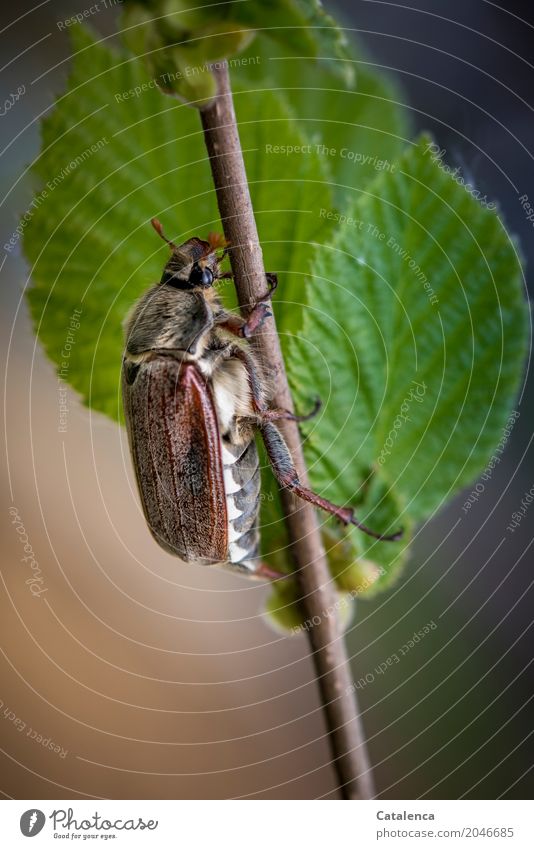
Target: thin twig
{"x": 345, "y": 730}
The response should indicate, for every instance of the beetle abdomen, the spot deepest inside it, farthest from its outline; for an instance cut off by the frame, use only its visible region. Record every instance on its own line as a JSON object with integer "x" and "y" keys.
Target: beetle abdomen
{"x": 242, "y": 486}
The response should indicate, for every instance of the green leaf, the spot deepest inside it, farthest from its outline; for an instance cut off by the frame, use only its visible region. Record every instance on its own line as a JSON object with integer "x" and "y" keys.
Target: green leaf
{"x": 363, "y": 332}
{"x": 303, "y": 27}
{"x": 414, "y": 336}
{"x": 359, "y": 124}
{"x": 116, "y": 153}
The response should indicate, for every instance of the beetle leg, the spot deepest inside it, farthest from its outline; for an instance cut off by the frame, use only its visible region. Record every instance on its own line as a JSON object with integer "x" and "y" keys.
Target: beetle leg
{"x": 261, "y": 310}
{"x": 280, "y": 457}
{"x": 273, "y": 415}
{"x": 255, "y": 569}
{"x": 230, "y": 321}
{"x": 286, "y": 474}
{"x": 272, "y": 282}
{"x": 254, "y": 379}
{"x": 242, "y": 327}
{"x": 257, "y": 400}
{"x": 271, "y": 277}
{"x": 256, "y": 317}
{"x": 263, "y": 570}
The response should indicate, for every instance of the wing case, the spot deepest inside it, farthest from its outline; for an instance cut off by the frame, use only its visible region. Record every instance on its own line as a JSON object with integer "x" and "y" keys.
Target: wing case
{"x": 175, "y": 445}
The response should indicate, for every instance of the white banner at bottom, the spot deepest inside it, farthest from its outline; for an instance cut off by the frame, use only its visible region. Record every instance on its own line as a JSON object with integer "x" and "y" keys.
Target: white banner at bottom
{"x": 268, "y": 824}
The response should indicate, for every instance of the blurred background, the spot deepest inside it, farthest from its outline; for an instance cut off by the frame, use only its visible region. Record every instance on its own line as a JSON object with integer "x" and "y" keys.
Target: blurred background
{"x": 136, "y": 677}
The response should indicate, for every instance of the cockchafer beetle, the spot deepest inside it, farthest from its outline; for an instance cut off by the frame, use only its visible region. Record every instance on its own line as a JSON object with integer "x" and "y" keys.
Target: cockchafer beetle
{"x": 195, "y": 393}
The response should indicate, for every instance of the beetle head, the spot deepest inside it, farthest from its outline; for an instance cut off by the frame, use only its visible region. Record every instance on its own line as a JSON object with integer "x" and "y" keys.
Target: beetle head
{"x": 193, "y": 265}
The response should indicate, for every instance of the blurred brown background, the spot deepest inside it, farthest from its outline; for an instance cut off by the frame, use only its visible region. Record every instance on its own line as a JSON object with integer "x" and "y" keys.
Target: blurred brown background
{"x": 159, "y": 681}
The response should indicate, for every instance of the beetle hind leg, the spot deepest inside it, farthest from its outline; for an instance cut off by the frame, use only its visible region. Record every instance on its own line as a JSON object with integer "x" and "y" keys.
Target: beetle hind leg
{"x": 286, "y": 474}
{"x": 256, "y": 570}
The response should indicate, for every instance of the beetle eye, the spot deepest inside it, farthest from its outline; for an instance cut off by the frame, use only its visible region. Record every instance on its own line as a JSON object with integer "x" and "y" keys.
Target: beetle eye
{"x": 201, "y": 276}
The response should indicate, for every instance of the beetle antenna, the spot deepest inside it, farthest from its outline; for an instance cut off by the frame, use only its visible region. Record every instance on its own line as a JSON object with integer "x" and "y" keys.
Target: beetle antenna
{"x": 156, "y": 223}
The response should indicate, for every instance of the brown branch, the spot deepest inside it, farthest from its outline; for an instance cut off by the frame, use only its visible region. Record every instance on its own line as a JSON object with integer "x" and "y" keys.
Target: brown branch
{"x": 345, "y": 730}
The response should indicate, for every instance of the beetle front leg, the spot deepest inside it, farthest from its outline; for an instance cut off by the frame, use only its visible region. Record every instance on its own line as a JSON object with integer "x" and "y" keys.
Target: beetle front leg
{"x": 270, "y": 276}
{"x": 256, "y": 317}
{"x": 245, "y": 328}
{"x": 272, "y": 282}
{"x": 286, "y": 475}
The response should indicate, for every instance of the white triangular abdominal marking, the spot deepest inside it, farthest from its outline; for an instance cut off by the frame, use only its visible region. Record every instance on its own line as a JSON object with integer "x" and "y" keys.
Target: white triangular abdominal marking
{"x": 239, "y": 470}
